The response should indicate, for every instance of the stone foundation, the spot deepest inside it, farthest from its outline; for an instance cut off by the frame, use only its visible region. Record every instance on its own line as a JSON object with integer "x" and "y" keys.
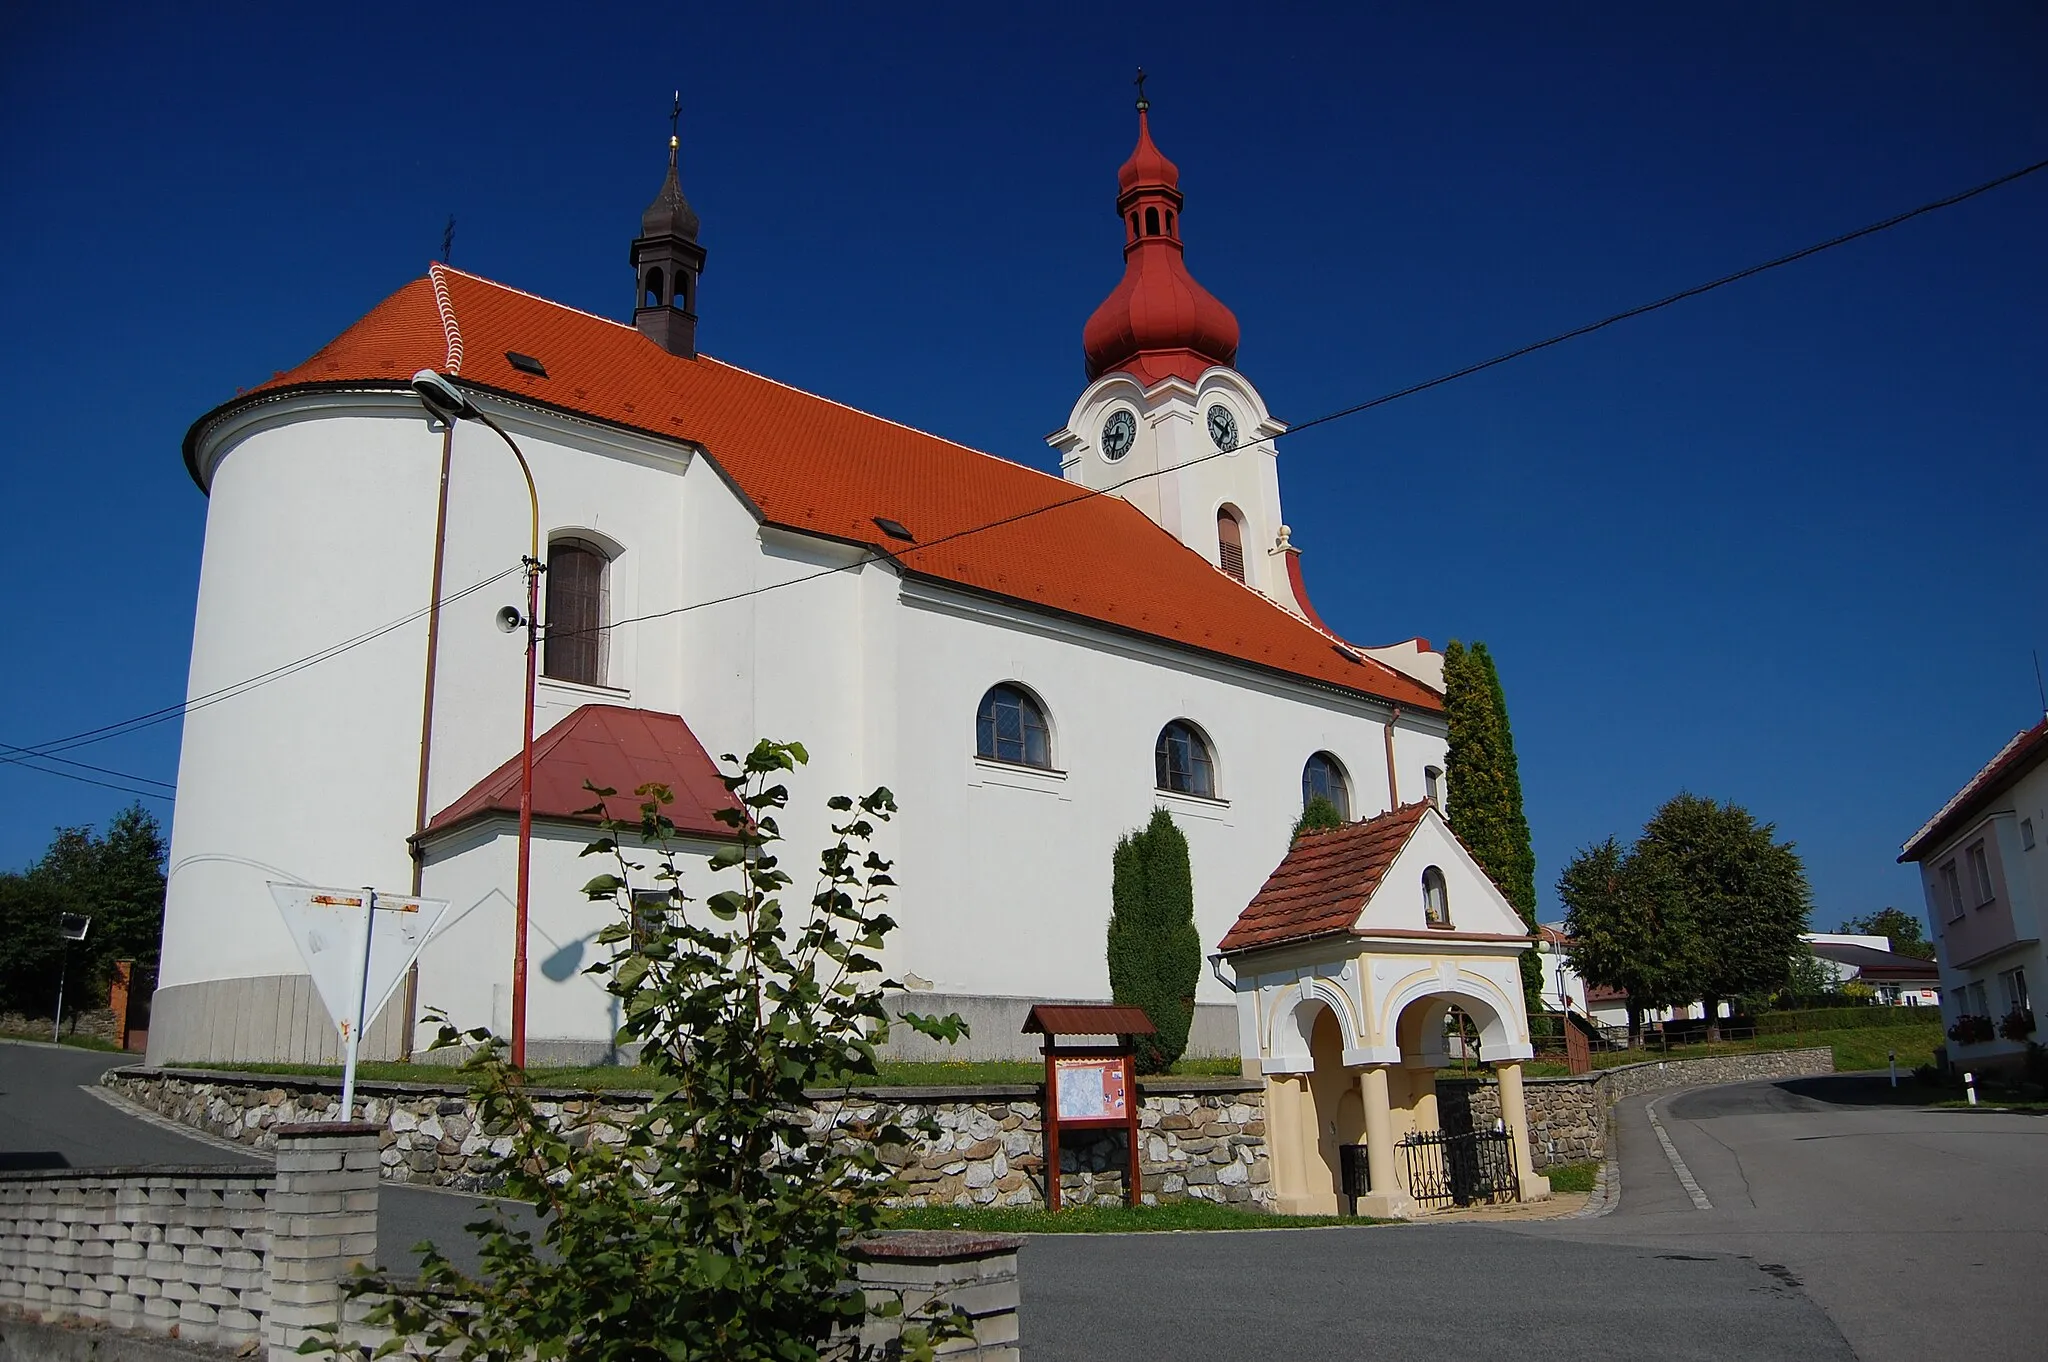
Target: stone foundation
{"x": 1199, "y": 1138}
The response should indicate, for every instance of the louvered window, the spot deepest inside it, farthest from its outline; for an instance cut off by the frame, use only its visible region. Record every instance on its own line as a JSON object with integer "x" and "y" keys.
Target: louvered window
{"x": 576, "y": 609}
{"x": 1011, "y": 727}
{"x": 1230, "y": 544}
{"x": 1181, "y": 761}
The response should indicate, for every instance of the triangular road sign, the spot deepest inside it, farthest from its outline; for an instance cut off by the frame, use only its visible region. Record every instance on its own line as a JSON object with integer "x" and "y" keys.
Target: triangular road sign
{"x": 328, "y": 926}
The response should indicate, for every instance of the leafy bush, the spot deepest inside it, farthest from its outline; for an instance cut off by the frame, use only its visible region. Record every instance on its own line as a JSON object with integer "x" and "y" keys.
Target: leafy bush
{"x": 713, "y": 1223}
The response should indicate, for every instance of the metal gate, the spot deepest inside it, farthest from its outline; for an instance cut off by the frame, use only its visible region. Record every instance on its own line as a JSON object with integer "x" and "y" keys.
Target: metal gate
{"x": 1442, "y": 1169}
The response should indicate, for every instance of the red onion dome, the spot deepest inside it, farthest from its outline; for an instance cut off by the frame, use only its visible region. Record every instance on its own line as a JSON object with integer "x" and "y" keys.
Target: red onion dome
{"x": 1158, "y": 320}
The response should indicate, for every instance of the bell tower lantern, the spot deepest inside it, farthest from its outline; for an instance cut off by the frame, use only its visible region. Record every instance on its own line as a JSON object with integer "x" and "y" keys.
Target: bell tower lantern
{"x": 667, "y": 261}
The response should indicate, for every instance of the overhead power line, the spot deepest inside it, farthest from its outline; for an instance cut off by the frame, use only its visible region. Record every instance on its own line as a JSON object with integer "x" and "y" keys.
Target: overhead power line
{"x": 27, "y": 757}
{"x": 879, "y": 555}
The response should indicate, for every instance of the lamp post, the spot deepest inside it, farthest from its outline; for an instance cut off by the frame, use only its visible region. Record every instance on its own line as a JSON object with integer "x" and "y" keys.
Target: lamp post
{"x": 449, "y": 404}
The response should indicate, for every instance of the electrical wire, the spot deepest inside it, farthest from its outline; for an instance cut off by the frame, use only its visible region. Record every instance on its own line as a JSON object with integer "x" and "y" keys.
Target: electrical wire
{"x": 24, "y": 756}
{"x": 880, "y": 555}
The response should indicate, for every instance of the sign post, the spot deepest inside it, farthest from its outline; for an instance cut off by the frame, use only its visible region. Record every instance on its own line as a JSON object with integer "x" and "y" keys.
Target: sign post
{"x": 355, "y": 967}
{"x": 74, "y": 927}
{"x": 1089, "y": 1087}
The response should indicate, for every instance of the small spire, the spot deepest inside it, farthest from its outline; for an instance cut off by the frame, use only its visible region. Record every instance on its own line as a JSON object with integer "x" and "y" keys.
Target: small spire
{"x": 675, "y": 118}
{"x": 1143, "y": 103}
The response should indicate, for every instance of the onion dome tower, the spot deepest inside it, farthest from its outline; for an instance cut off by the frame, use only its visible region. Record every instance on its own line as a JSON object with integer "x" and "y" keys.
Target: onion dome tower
{"x": 667, "y": 260}
{"x": 1158, "y": 321}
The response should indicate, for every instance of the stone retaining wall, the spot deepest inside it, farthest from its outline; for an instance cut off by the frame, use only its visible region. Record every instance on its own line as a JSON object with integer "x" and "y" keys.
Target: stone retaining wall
{"x": 1199, "y": 1138}
{"x": 1568, "y": 1116}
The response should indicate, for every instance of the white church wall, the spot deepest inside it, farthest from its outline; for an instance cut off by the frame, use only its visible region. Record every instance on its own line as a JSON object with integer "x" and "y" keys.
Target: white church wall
{"x": 1007, "y": 870}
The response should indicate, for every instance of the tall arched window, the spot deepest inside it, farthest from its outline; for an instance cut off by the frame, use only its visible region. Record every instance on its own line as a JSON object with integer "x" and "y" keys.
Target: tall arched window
{"x": 1230, "y": 542}
{"x": 1181, "y": 761}
{"x": 1151, "y": 222}
{"x": 1323, "y": 776}
{"x": 1010, "y": 726}
{"x": 1436, "y": 898}
{"x": 575, "y": 637}
{"x": 653, "y": 288}
{"x": 1433, "y": 786}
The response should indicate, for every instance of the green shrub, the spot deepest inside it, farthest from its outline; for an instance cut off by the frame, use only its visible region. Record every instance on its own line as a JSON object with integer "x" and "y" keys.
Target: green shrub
{"x": 1842, "y": 1019}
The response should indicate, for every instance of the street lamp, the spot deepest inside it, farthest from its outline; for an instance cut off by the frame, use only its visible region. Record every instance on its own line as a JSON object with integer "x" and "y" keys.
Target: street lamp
{"x": 449, "y": 404}
{"x": 74, "y": 926}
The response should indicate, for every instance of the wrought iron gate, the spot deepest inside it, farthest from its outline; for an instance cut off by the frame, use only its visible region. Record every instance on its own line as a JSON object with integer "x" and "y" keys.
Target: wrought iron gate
{"x": 1443, "y": 1169}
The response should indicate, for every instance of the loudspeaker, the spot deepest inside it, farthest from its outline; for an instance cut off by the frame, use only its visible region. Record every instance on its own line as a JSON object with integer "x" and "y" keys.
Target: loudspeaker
{"x": 509, "y": 620}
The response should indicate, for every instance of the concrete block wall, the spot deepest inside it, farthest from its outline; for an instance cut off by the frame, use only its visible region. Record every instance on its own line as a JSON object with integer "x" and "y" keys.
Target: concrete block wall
{"x": 231, "y": 1257}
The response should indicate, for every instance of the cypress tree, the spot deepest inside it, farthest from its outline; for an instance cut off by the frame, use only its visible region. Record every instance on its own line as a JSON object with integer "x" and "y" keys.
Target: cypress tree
{"x": 1155, "y": 949}
{"x": 1485, "y": 789}
{"x": 1318, "y": 815}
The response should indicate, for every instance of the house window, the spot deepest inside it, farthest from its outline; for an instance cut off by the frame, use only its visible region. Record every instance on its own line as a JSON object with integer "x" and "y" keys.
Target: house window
{"x": 651, "y": 909}
{"x": 2026, "y": 834}
{"x": 2014, "y": 985}
{"x": 1436, "y": 899}
{"x": 1230, "y": 543}
{"x": 1980, "y": 1005}
{"x": 1433, "y": 787}
{"x": 1980, "y": 871}
{"x": 1951, "y": 891}
{"x": 1181, "y": 761}
{"x": 577, "y": 589}
{"x": 1323, "y": 776}
{"x": 1010, "y": 726}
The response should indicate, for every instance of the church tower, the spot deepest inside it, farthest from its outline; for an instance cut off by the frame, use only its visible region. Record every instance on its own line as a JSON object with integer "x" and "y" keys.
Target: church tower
{"x": 667, "y": 261}
{"x": 1166, "y": 421}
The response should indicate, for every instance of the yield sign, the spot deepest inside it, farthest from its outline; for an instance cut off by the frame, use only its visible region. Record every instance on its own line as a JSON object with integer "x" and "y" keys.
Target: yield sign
{"x": 330, "y": 927}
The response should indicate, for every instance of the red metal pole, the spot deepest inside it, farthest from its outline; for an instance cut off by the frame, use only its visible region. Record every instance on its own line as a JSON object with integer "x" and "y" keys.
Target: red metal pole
{"x": 1049, "y": 1118}
{"x": 525, "y": 818}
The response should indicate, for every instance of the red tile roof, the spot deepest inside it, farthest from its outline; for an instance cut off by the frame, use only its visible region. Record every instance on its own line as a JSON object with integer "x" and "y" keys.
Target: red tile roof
{"x": 2026, "y": 751}
{"x": 810, "y": 464}
{"x": 613, "y": 748}
{"x": 1322, "y": 883}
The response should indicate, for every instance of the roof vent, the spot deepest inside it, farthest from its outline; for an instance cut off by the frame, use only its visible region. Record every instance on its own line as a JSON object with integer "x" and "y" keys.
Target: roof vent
{"x": 526, "y": 364}
{"x": 894, "y": 529}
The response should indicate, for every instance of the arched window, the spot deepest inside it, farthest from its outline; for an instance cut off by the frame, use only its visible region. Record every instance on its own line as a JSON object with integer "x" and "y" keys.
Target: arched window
{"x": 1151, "y": 222}
{"x": 1134, "y": 222}
{"x": 577, "y": 589}
{"x": 1230, "y": 543}
{"x": 653, "y": 289}
{"x": 1010, "y": 726}
{"x": 1433, "y": 786}
{"x": 1436, "y": 898}
{"x": 1181, "y": 762}
{"x": 1323, "y": 776}
{"x": 1169, "y": 222}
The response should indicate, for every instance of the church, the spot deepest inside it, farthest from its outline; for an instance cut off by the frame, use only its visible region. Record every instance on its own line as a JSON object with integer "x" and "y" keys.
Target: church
{"x": 1031, "y": 663}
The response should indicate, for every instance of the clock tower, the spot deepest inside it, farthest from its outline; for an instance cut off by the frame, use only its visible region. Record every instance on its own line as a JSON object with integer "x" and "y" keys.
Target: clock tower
{"x": 1166, "y": 421}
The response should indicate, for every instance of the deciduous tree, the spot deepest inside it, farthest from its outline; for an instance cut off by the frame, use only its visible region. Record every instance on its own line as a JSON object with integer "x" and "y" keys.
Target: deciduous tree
{"x": 1629, "y": 927}
{"x": 1902, "y": 928}
{"x": 1745, "y": 892}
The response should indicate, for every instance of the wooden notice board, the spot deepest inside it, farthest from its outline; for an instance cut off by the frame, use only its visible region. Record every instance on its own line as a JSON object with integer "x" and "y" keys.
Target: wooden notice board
{"x": 1089, "y": 1087}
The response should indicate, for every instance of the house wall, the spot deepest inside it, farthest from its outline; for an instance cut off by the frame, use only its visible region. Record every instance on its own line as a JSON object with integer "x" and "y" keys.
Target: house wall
{"x": 1979, "y": 945}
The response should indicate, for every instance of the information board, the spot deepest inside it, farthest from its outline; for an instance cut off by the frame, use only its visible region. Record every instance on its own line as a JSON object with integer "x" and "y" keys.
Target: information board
{"x": 1091, "y": 1089}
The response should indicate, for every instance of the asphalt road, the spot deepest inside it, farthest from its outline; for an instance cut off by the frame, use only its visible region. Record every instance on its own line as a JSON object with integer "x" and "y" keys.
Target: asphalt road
{"x": 1838, "y": 1228}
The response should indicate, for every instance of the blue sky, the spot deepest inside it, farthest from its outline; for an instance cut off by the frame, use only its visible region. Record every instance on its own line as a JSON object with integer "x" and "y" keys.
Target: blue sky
{"x": 1779, "y": 545}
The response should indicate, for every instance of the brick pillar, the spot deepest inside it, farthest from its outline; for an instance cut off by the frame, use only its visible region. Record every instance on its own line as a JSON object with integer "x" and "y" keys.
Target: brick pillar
{"x": 976, "y": 1272}
{"x": 323, "y": 1222}
{"x": 117, "y": 1000}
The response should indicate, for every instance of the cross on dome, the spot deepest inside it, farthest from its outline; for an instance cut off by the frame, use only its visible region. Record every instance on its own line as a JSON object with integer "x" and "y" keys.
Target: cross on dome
{"x": 1158, "y": 321}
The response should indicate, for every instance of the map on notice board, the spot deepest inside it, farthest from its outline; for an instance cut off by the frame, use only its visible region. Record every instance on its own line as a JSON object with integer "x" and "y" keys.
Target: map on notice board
{"x": 1091, "y": 1089}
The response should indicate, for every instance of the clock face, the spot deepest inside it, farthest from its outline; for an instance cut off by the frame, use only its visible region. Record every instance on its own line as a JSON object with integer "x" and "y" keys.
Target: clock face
{"x": 1223, "y": 428}
{"x": 1117, "y": 433}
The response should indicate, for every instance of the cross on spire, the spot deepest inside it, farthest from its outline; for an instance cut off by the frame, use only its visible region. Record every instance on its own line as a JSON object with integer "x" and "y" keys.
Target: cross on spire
{"x": 1143, "y": 103}
{"x": 675, "y": 118}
